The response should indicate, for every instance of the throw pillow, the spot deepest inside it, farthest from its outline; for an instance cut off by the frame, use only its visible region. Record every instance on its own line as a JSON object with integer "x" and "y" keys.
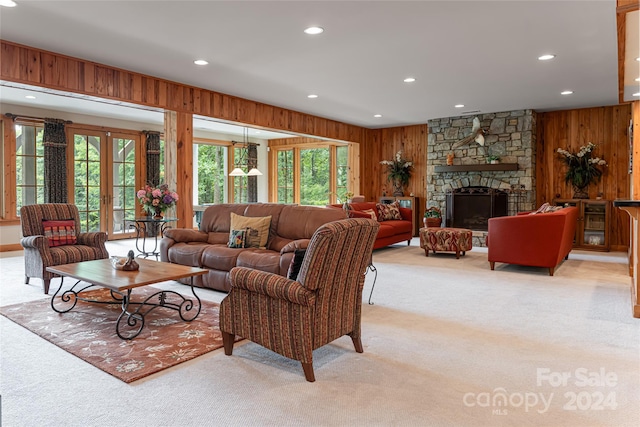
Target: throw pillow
{"x": 296, "y": 263}
{"x": 371, "y": 213}
{"x": 237, "y": 238}
{"x": 60, "y": 232}
{"x": 387, "y": 212}
{"x": 257, "y": 229}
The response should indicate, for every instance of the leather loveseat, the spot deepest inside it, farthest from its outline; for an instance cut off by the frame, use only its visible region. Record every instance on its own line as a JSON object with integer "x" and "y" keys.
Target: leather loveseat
{"x": 538, "y": 240}
{"x": 390, "y": 231}
{"x": 291, "y": 228}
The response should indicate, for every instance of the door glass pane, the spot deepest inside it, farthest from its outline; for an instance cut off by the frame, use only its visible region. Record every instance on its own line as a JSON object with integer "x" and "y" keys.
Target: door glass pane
{"x": 314, "y": 176}
{"x": 285, "y": 176}
{"x": 87, "y": 180}
{"x": 211, "y": 173}
{"x": 240, "y": 193}
{"x": 29, "y": 165}
{"x": 342, "y": 171}
{"x": 123, "y": 190}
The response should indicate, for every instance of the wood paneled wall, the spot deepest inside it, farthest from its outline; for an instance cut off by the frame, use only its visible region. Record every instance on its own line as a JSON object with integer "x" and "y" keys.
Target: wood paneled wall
{"x": 383, "y": 144}
{"x": 26, "y": 65}
{"x": 570, "y": 129}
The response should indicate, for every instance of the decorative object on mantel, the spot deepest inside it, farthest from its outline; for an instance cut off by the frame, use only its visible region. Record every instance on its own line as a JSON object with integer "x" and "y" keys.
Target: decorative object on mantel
{"x": 127, "y": 263}
{"x": 477, "y": 135}
{"x": 494, "y": 160}
{"x": 582, "y": 169}
{"x": 432, "y": 217}
{"x": 450, "y": 157}
{"x": 398, "y": 172}
{"x": 156, "y": 200}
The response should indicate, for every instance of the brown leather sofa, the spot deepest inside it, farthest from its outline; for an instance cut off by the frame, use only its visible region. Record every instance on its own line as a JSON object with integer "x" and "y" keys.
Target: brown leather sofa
{"x": 291, "y": 228}
{"x": 390, "y": 232}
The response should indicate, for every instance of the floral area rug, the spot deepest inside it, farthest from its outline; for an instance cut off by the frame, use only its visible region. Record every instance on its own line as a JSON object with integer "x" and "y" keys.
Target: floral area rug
{"x": 88, "y": 331}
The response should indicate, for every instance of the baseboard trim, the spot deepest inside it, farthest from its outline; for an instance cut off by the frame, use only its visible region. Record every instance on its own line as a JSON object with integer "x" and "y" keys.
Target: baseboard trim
{"x": 11, "y": 247}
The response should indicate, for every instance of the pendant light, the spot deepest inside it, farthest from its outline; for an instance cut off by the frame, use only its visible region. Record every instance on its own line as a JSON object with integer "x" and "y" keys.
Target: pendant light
{"x": 237, "y": 171}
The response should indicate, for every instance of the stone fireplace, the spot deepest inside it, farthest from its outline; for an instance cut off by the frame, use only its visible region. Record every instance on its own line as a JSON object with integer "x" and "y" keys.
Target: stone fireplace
{"x": 472, "y": 190}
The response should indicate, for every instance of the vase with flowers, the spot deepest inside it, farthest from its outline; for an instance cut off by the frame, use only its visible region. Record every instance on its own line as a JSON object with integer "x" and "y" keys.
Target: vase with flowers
{"x": 583, "y": 169}
{"x": 156, "y": 200}
{"x": 398, "y": 172}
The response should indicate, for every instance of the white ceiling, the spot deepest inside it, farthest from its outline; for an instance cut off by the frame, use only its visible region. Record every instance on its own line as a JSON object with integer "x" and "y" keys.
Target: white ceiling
{"x": 479, "y": 53}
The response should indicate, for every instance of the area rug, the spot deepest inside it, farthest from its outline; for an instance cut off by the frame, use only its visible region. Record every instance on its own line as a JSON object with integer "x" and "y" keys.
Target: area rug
{"x": 88, "y": 332}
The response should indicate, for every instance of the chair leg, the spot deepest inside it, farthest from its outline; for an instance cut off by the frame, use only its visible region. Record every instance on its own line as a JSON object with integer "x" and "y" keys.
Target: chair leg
{"x": 46, "y": 283}
{"x": 492, "y": 264}
{"x": 26, "y": 280}
{"x": 308, "y": 371}
{"x": 357, "y": 343}
{"x": 227, "y": 341}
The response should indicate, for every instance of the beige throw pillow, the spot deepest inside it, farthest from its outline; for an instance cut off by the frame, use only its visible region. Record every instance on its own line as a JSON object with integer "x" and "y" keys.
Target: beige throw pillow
{"x": 257, "y": 229}
{"x": 371, "y": 213}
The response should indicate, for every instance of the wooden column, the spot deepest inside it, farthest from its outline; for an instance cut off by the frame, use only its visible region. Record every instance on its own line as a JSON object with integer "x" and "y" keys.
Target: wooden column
{"x": 178, "y": 161}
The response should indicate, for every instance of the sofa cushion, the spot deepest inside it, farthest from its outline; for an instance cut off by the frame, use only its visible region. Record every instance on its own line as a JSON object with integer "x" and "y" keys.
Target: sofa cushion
{"x": 220, "y": 257}
{"x": 60, "y": 232}
{"x": 394, "y": 227}
{"x": 371, "y": 213}
{"x": 237, "y": 239}
{"x": 263, "y": 260}
{"x": 187, "y": 253}
{"x": 296, "y": 263}
{"x": 257, "y": 229}
{"x": 388, "y": 211}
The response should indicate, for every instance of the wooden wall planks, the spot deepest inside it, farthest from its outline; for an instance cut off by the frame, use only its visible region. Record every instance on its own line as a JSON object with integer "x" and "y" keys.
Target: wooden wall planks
{"x": 571, "y": 129}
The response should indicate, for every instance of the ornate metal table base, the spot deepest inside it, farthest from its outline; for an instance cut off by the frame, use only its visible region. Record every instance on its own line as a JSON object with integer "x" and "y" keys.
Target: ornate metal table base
{"x": 130, "y": 323}
{"x": 373, "y": 268}
{"x": 148, "y": 227}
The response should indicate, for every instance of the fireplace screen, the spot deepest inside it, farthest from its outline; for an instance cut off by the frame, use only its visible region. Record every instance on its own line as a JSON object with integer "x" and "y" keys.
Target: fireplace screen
{"x": 471, "y": 207}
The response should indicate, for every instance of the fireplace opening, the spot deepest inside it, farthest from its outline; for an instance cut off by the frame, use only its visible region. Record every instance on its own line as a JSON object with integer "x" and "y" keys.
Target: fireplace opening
{"x": 471, "y": 207}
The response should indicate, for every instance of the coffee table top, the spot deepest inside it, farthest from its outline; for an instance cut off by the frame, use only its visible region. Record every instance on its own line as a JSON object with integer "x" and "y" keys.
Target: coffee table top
{"x": 100, "y": 272}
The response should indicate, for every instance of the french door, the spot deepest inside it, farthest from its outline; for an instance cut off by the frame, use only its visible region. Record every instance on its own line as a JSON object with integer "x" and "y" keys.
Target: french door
{"x": 105, "y": 179}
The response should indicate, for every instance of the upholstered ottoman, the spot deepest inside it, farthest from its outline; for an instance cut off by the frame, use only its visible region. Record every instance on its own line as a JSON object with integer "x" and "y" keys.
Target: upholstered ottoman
{"x": 445, "y": 240}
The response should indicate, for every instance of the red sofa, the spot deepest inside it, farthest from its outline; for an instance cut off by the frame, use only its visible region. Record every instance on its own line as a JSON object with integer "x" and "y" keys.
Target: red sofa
{"x": 538, "y": 240}
{"x": 390, "y": 232}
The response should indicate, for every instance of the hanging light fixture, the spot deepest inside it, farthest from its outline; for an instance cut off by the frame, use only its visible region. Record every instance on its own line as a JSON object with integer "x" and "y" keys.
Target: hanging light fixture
{"x": 237, "y": 171}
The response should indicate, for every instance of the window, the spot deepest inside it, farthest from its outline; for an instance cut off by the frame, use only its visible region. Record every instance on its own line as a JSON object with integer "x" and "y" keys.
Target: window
{"x": 285, "y": 176}
{"x": 29, "y": 165}
{"x": 314, "y": 176}
{"x": 87, "y": 179}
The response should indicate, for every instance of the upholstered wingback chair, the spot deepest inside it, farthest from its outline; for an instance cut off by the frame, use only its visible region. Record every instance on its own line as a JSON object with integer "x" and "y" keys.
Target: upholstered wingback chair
{"x": 294, "y": 317}
{"x": 40, "y": 254}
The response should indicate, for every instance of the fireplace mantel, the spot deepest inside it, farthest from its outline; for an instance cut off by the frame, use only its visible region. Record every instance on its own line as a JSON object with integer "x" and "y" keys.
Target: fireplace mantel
{"x": 477, "y": 167}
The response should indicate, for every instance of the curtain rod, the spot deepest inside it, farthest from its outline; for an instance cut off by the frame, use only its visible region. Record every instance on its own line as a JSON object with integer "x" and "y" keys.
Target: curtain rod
{"x": 15, "y": 116}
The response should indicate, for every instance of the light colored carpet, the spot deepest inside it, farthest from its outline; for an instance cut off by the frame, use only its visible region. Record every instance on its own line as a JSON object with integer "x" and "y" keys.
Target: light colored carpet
{"x": 445, "y": 340}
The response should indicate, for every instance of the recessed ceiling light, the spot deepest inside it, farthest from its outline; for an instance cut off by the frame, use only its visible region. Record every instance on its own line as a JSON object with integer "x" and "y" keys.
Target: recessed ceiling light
{"x": 638, "y": 58}
{"x": 566, "y": 92}
{"x": 377, "y": 116}
{"x": 7, "y": 3}
{"x": 30, "y": 97}
{"x": 409, "y": 80}
{"x": 459, "y": 105}
{"x": 314, "y": 30}
{"x": 312, "y": 96}
{"x": 546, "y": 57}
{"x": 200, "y": 62}
{"x": 636, "y": 94}
{"x": 638, "y": 79}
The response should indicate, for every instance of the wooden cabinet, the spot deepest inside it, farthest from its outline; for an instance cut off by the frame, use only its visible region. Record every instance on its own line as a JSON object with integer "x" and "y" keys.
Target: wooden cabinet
{"x": 592, "y": 228}
{"x": 410, "y": 203}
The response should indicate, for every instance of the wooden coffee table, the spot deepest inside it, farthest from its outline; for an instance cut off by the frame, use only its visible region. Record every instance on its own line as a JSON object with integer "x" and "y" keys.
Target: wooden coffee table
{"x": 121, "y": 283}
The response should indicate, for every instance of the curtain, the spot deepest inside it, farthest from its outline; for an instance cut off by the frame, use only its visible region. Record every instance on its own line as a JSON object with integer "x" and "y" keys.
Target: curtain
{"x": 55, "y": 161}
{"x": 153, "y": 158}
{"x": 252, "y": 181}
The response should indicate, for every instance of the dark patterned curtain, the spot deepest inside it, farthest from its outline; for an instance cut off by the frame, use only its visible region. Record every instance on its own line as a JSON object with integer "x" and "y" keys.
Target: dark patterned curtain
{"x": 55, "y": 161}
{"x": 153, "y": 159}
{"x": 252, "y": 181}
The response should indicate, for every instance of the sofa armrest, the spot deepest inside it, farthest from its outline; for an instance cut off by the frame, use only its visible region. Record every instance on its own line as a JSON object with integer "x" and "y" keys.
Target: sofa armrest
{"x": 294, "y": 245}
{"x": 271, "y": 285}
{"x": 183, "y": 235}
{"x": 96, "y": 239}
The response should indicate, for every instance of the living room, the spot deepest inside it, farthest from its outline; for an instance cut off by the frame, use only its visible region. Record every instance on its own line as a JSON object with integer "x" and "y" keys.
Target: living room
{"x": 420, "y": 359}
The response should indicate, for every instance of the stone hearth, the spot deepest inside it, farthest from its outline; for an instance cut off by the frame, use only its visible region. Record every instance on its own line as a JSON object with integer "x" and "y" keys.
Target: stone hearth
{"x": 509, "y": 135}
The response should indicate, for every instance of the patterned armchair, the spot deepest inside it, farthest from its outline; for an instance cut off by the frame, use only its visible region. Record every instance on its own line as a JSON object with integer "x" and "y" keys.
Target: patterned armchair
{"x": 39, "y": 254}
{"x": 293, "y": 318}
